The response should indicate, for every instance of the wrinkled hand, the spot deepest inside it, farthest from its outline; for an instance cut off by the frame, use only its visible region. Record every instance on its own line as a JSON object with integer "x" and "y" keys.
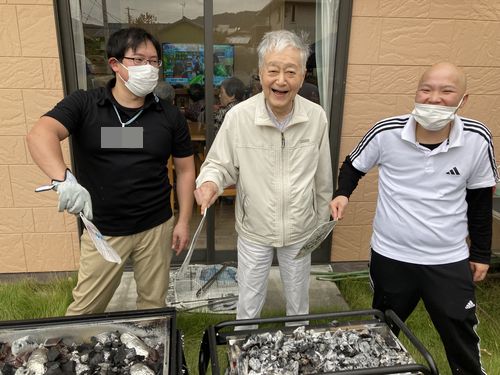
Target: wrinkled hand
{"x": 338, "y": 206}
{"x": 206, "y": 195}
{"x": 73, "y": 197}
{"x": 479, "y": 270}
{"x": 180, "y": 237}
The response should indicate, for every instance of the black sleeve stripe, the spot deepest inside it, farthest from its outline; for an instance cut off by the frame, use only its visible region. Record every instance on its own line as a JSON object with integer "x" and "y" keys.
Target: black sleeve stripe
{"x": 483, "y": 131}
{"x": 393, "y": 123}
{"x": 471, "y": 122}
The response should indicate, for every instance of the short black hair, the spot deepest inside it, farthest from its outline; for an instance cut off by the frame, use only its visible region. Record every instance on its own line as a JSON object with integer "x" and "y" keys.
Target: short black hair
{"x": 234, "y": 86}
{"x": 120, "y": 41}
{"x": 196, "y": 92}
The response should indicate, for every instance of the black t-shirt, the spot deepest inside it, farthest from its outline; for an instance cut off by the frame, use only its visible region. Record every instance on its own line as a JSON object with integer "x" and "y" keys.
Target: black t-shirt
{"x": 129, "y": 186}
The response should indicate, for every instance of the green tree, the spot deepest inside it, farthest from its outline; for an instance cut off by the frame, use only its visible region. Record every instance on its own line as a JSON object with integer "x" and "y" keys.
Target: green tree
{"x": 144, "y": 19}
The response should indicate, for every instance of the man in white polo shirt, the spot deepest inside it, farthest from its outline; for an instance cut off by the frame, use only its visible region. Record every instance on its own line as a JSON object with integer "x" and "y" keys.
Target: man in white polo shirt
{"x": 436, "y": 173}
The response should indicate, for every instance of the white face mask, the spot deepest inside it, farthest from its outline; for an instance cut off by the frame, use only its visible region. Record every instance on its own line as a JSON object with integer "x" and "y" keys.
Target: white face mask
{"x": 434, "y": 117}
{"x": 142, "y": 79}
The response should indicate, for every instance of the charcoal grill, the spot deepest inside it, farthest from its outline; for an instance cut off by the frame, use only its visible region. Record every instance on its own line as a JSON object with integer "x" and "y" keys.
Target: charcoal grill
{"x": 156, "y": 325}
{"x": 224, "y": 333}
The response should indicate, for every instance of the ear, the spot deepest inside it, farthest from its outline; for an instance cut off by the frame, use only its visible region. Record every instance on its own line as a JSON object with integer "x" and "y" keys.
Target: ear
{"x": 464, "y": 100}
{"x": 303, "y": 77}
{"x": 114, "y": 64}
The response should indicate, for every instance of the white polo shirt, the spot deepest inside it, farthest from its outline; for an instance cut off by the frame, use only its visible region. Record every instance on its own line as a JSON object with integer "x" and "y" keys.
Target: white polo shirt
{"x": 421, "y": 214}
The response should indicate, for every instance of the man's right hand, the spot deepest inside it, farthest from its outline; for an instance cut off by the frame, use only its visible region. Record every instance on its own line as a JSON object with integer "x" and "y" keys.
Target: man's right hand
{"x": 73, "y": 197}
{"x": 338, "y": 206}
{"x": 206, "y": 195}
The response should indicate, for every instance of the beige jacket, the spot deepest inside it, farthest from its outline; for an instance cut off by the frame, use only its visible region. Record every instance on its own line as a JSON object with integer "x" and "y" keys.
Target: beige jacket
{"x": 283, "y": 180}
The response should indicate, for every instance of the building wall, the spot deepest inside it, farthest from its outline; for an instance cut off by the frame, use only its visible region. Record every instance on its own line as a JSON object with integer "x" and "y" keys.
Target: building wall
{"x": 34, "y": 237}
{"x": 391, "y": 44}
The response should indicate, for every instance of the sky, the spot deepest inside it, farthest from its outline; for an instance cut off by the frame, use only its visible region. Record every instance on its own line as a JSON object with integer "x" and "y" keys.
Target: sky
{"x": 166, "y": 11}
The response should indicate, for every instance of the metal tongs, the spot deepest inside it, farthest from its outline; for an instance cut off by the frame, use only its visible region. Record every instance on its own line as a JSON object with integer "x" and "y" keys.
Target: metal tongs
{"x": 102, "y": 246}
{"x": 189, "y": 254}
{"x": 212, "y": 279}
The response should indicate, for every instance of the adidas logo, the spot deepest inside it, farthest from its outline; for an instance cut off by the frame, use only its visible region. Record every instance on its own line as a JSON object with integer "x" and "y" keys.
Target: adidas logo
{"x": 453, "y": 171}
{"x": 469, "y": 305}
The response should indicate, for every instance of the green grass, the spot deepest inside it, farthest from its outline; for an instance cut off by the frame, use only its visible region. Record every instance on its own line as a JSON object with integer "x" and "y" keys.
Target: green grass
{"x": 358, "y": 295}
{"x": 29, "y": 299}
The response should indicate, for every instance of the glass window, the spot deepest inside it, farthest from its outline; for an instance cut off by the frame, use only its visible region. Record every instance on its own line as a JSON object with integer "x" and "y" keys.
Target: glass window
{"x": 237, "y": 30}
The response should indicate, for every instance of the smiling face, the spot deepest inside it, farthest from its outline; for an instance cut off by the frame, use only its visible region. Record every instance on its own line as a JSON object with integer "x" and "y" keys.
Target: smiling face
{"x": 281, "y": 76}
{"x": 442, "y": 84}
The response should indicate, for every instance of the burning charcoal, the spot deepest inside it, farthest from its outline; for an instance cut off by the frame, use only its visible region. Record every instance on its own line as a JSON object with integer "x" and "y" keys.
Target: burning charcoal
{"x": 131, "y": 356}
{"x": 53, "y": 368}
{"x": 140, "y": 369}
{"x": 310, "y": 352}
{"x": 68, "y": 367}
{"x": 254, "y": 364}
{"x": 95, "y": 358}
{"x": 133, "y": 342}
{"x": 84, "y": 348}
{"x": 156, "y": 366}
{"x": 36, "y": 362}
{"x": 23, "y": 345}
{"x": 22, "y": 371}
{"x": 104, "y": 338}
{"x": 7, "y": 369}
{"x": 48, "y": 343}
{"x": 119, "y": 356}
{"x": 53, "y": 354}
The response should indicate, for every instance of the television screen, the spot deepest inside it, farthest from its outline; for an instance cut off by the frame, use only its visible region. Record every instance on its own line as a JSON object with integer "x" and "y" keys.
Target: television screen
{"x": 183, "y": 63}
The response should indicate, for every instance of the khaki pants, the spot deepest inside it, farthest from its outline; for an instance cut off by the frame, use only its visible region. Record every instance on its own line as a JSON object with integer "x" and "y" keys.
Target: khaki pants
{"x": 150, "y": 252}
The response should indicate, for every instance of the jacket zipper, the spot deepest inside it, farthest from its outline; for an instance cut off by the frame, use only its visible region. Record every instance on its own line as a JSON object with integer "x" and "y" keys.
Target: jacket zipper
{"x": 283, "y": 187}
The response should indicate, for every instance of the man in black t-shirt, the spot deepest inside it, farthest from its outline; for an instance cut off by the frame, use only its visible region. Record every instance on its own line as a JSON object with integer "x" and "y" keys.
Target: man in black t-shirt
{"x": 122, "y": 136}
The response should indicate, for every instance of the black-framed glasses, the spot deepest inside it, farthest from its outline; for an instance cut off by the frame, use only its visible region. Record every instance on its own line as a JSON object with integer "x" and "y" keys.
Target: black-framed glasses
{"x": 143, "y": 61}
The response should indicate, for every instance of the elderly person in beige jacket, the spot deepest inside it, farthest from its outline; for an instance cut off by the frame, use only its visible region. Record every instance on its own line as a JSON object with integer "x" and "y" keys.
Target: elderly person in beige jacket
{"x": 275, "y": 148}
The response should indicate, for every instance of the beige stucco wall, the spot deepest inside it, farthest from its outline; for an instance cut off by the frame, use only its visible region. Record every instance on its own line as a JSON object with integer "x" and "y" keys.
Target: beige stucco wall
{"x": 33, "y": 236}
{"x": 391, "y": 44}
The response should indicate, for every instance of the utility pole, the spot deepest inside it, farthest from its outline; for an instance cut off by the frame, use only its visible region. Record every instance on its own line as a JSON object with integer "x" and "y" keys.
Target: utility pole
{"x": 129, "y": 17}
{"x": 183, "y": 5}
{"x": 105, "y": 20}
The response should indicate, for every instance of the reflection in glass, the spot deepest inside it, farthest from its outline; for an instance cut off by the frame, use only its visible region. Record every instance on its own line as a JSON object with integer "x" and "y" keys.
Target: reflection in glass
{"x": 238, "y": 28}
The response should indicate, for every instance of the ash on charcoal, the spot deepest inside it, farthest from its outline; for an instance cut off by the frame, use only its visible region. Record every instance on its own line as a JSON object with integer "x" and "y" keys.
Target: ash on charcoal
{"x": 310, "y": 352}
{"x": 106, "y": 353}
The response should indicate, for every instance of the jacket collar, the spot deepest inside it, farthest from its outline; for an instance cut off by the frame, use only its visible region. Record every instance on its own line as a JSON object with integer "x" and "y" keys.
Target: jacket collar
{"x": 262, "y": 117}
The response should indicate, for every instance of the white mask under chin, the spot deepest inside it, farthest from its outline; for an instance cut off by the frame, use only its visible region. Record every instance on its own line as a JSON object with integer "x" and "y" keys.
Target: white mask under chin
{"x": 142, "y": 79}
{"x": 434, "y": 117}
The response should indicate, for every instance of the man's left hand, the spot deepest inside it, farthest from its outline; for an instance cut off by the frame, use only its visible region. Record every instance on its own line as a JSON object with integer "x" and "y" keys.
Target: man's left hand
{"x": 180, "y": 237}
{"x": 479, "y": 270}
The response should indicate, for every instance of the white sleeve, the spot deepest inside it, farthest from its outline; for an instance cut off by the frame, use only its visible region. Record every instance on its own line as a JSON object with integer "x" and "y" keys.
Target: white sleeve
{"x": 484, "y": 171}
{"x": 367, "y": 153}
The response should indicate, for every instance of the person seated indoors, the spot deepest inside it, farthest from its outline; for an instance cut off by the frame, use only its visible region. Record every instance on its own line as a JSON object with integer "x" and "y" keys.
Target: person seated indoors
{"x": 232, "y": 91}
{"x": 196, "y": 106}
{"x": 165, "y": 91}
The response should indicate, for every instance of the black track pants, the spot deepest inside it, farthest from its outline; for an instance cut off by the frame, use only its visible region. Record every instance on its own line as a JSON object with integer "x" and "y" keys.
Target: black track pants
{"x": 447, "y": 291}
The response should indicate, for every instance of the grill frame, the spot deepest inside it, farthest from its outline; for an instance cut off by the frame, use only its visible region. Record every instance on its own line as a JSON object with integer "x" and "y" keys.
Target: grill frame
{"x": 175, "y": 354}
{"x": 213, "y": 337}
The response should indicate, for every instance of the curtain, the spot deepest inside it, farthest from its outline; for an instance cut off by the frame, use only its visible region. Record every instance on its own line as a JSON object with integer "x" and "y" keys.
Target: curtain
{"x": 326, "y": 39}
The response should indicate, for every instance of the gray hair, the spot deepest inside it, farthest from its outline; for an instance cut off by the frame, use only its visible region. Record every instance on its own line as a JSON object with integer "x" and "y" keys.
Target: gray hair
{"x": 279, "y": 40}
{"x": 165, "y": 91}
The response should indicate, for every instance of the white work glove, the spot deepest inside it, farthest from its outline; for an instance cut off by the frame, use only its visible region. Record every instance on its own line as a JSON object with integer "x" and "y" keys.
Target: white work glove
{"x": 73, "y": 197}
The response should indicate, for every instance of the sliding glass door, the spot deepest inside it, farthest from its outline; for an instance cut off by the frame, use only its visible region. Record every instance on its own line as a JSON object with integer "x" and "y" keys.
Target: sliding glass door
{"x": 203, "y": 44}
